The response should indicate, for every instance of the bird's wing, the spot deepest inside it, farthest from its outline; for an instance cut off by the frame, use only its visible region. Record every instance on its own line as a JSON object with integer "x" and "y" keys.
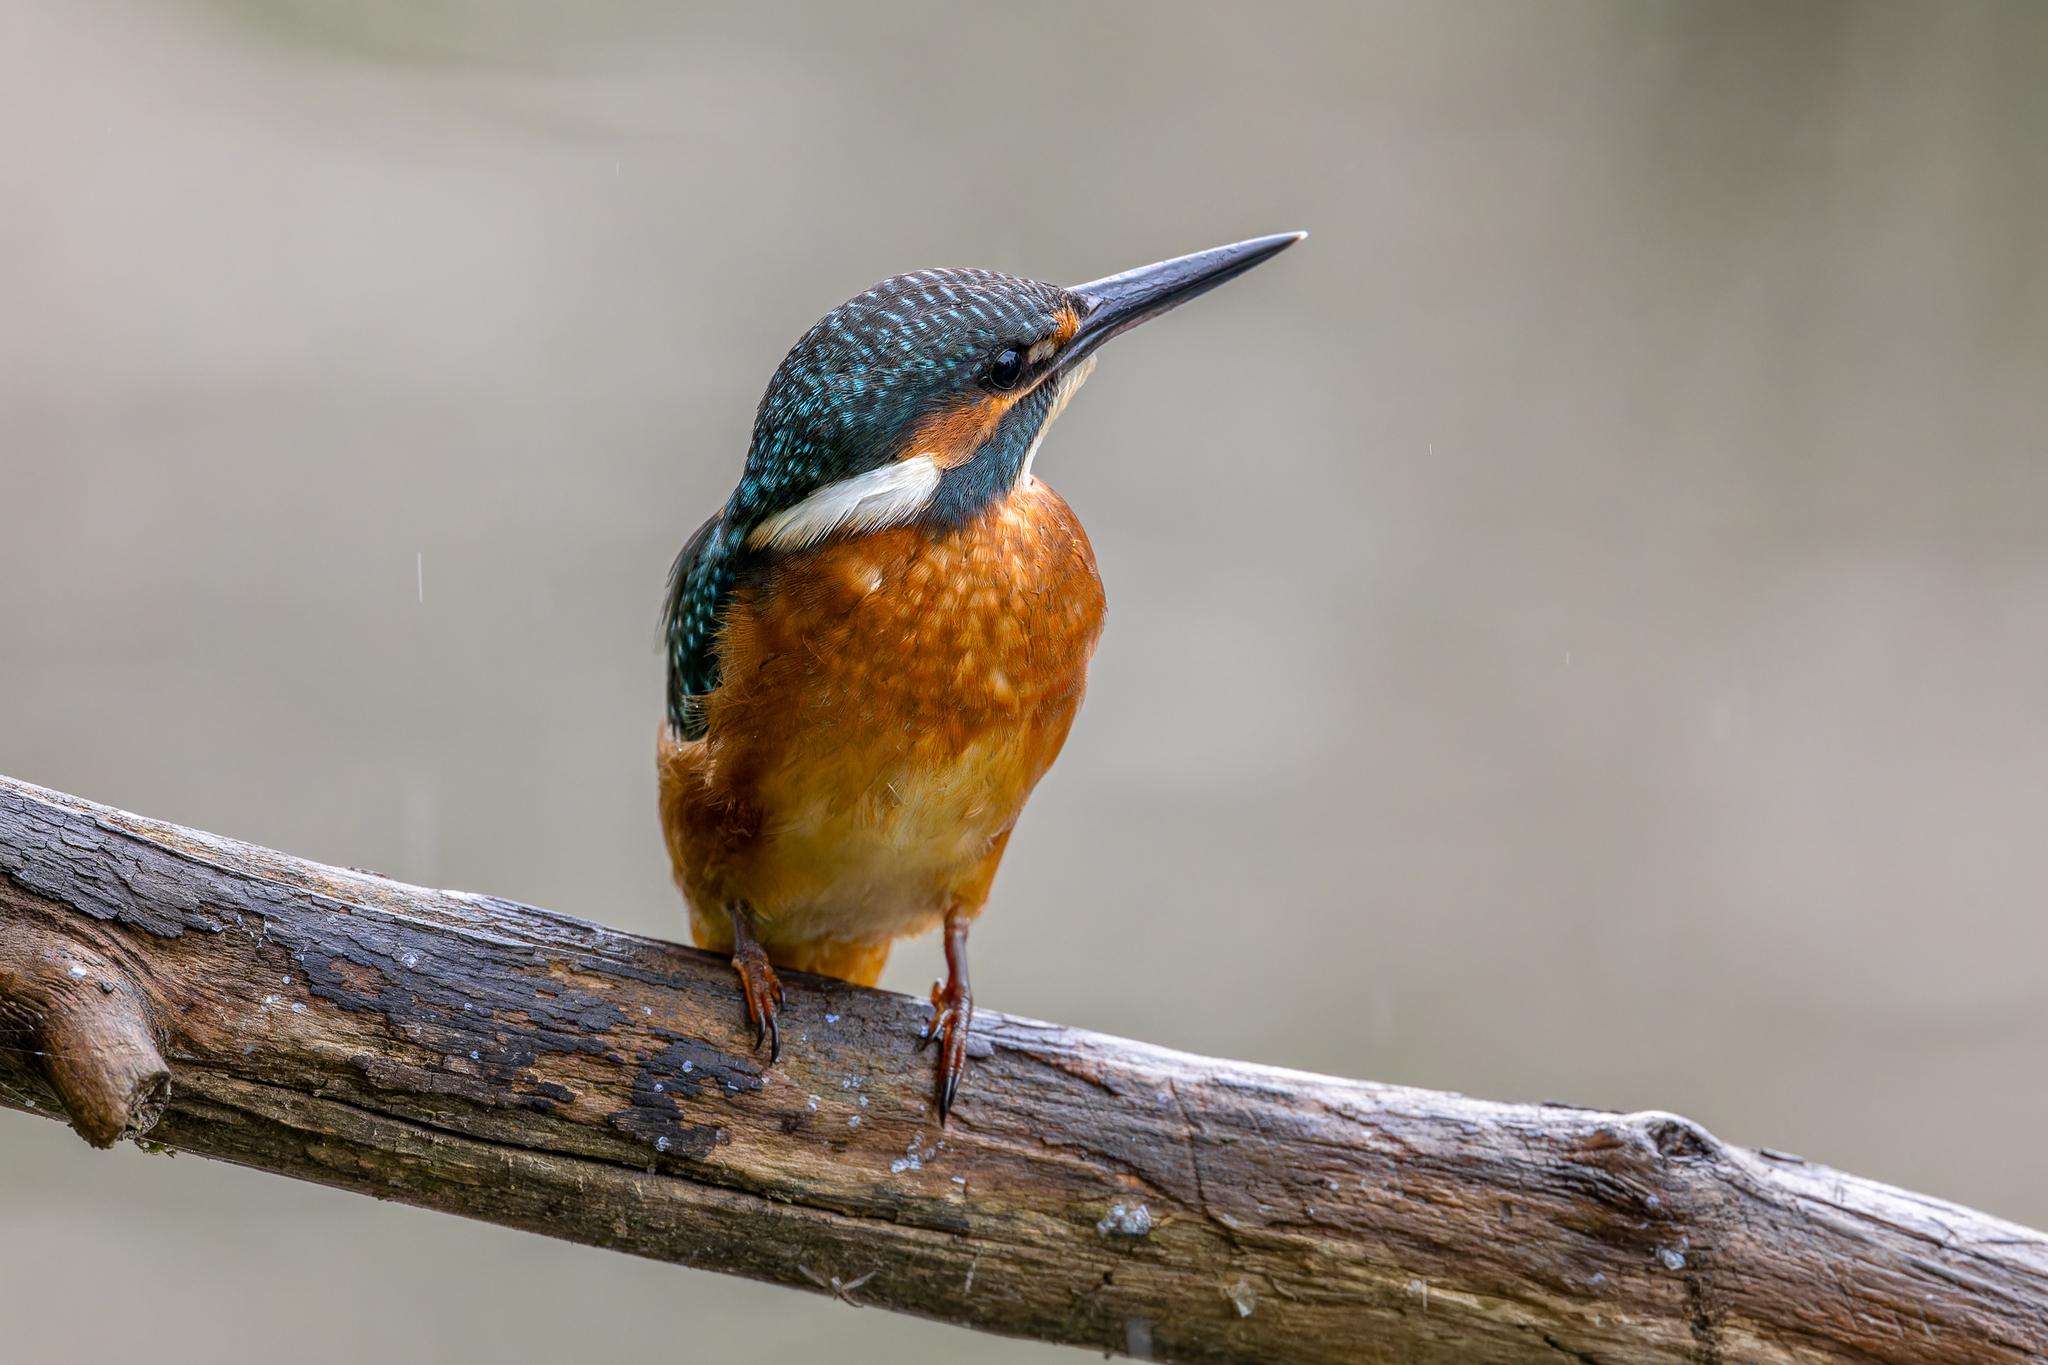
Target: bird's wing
{"x": 697, "y": 588}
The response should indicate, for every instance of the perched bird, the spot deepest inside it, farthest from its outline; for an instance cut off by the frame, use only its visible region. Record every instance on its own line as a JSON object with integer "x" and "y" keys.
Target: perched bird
{"x": 876, "y": 648}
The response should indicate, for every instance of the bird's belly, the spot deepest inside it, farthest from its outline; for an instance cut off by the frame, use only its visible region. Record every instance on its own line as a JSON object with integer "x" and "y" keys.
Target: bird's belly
{"x": 891, "y": 861}
{"x": 889, "y": 703}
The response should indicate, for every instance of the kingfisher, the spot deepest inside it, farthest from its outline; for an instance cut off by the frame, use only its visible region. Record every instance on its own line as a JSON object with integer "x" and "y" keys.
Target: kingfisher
{"x": 876, "y": 647}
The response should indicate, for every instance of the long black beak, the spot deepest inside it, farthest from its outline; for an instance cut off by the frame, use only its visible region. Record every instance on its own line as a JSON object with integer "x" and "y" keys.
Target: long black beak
{"x": 1121, "y": 302}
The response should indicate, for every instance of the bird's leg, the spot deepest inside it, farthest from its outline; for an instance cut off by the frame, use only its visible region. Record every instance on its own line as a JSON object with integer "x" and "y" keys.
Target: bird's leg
{"x": 758, "y": 982}
{"x": 952, "y": 1012}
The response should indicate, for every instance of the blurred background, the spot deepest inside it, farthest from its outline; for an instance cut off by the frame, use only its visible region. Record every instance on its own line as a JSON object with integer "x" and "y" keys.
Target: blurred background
{"x": 1579, "y": 623}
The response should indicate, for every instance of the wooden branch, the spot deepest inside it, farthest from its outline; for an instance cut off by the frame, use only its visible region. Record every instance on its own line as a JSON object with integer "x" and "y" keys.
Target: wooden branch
{"x": 469, "y": 1054}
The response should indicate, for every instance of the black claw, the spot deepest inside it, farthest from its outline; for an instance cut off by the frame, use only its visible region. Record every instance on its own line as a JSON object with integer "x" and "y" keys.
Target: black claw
{"x": 775, "y": 1040}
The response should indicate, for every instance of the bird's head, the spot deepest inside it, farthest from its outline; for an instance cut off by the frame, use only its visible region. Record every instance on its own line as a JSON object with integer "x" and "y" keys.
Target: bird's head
{"x": 924, "y": 397}
{"x": 926, "y": 381}
{"x": 921, "y": 400}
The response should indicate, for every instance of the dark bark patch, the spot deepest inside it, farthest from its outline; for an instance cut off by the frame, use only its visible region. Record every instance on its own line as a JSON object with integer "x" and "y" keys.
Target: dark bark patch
{"x": 686, "y": 1069}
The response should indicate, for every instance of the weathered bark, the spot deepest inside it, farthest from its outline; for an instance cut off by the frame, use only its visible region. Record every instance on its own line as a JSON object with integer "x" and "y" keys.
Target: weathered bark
{"x": 485, "y": 1058}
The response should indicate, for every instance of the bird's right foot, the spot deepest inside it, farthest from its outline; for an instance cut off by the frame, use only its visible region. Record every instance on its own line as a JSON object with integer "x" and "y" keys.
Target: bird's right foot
{"x": 758, "y": 983}
{"x": 952, "y": 1012}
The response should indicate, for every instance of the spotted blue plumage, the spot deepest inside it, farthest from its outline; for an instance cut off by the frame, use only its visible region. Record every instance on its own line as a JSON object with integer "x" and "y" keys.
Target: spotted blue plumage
{"x": 843, "y": 402}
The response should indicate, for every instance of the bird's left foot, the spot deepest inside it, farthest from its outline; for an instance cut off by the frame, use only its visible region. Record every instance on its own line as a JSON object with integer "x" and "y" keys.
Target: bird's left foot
{"x": 952, "y": 1012}
{"x": 758, "y": 982}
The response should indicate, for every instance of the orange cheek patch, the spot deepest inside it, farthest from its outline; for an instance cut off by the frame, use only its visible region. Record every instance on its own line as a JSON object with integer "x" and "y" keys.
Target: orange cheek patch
{"x": 952, "y": 436}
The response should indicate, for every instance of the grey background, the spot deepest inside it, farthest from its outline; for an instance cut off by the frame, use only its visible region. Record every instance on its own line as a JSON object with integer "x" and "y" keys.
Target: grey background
{"x": 1579, "y": 623}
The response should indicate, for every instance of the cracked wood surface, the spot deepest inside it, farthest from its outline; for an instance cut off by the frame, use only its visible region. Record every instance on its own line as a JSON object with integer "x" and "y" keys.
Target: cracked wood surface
{"x": 485, "y": 1058}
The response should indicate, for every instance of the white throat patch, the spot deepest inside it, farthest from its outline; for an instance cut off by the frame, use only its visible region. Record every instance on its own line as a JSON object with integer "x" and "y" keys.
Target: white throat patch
{"x": 1069, "y": 382}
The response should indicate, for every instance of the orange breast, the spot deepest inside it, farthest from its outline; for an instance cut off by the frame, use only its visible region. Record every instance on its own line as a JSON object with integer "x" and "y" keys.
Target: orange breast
{"x": 889, "y": 701}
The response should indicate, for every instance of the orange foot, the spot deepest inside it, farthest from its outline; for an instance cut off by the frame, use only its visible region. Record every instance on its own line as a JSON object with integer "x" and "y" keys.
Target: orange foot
{"x": 758, "y": 983}
{"x": 952, "y": 1012}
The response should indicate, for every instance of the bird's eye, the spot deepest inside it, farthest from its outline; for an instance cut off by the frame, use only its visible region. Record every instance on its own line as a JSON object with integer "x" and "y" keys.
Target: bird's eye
{"x": 1003, "y": 373}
